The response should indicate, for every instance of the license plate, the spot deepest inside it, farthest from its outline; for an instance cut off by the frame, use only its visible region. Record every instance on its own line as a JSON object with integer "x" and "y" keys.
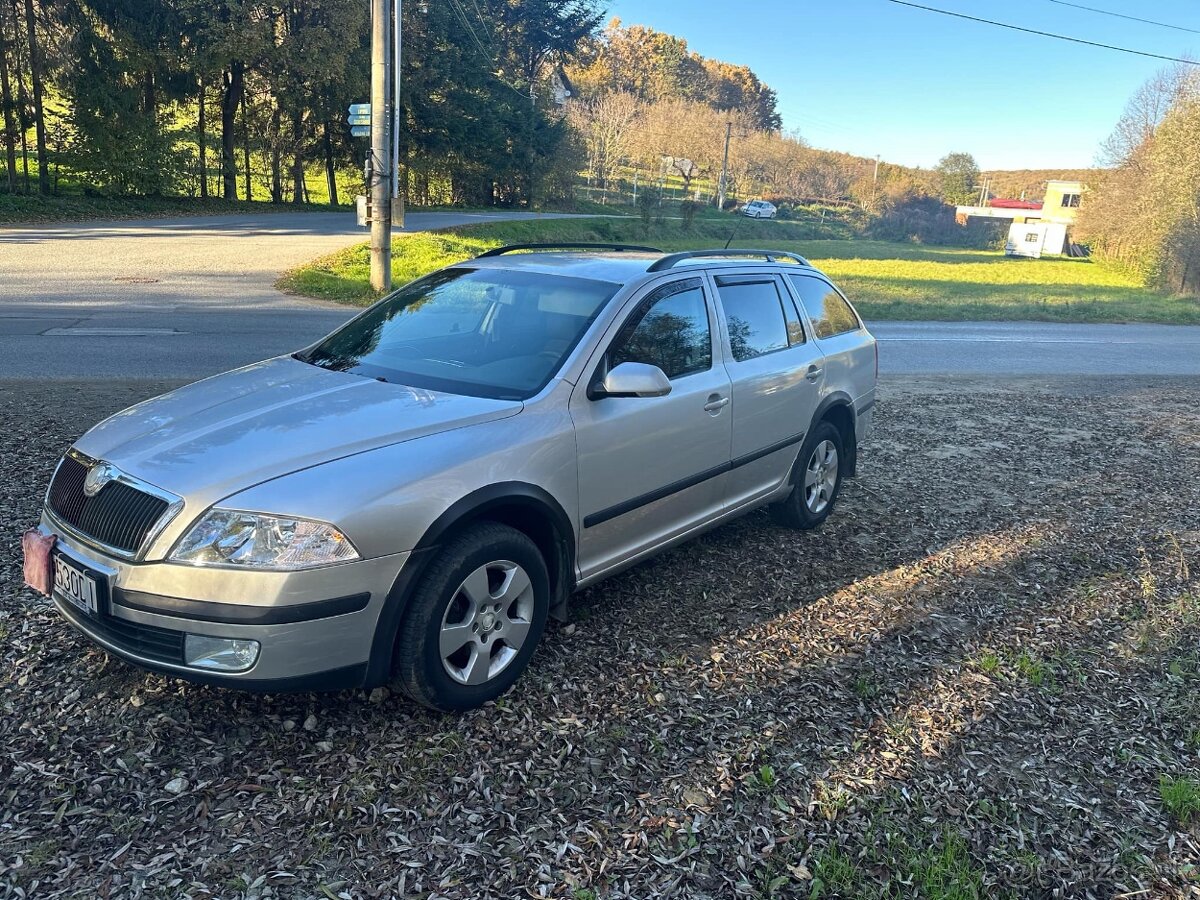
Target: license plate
{"x": 75, "y": 586}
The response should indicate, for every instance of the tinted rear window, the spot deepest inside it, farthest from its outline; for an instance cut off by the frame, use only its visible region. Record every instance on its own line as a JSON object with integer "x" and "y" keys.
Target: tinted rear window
{"x": 754, "y": 315}
{"x": 831, "y": 315}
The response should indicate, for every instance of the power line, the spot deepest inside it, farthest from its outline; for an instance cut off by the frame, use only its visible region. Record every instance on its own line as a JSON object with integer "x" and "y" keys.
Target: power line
{"x": 488, "y": 55}
{"x": 1107, "y": 12}
{"x": 462, "y": 17}
{"x": 1060, "y": 37}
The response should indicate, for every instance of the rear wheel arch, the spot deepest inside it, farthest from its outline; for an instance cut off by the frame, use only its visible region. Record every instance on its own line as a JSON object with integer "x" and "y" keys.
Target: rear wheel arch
{"x": 838, "y": 411}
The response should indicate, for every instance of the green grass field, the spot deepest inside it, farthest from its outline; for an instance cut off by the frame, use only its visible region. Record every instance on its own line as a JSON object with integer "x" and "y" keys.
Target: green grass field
{"x": 885, "y": 280}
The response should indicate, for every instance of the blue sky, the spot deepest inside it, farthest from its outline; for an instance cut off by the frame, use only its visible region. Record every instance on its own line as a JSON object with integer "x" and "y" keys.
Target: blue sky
{"x": 870, "y": 77}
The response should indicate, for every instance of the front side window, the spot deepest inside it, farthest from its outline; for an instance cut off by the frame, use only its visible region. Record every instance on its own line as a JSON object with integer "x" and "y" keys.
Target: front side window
{"x": 831, "y": 315}
{"x": 482, "y": 332}
{"x": 754, "y": 315}
{"x": 671, "y": 332}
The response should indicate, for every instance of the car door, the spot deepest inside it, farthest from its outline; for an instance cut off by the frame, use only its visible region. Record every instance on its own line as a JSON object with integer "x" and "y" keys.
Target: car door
{"x": 775, "y": 373}
{"x": 650, "y": 468}
{"x": 848, "y": 347}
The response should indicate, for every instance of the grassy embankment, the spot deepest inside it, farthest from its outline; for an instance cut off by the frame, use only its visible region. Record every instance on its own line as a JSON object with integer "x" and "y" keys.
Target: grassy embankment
{"x": 886, "y": 280}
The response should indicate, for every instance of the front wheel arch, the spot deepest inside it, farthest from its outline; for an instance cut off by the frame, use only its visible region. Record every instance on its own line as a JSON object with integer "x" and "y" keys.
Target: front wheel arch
{"x": 445, "y": 616}
{"x": 525, "y": 507}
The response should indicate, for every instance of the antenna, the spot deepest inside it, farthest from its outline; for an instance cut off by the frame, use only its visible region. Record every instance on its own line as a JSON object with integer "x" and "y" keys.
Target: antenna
{"x": 736, "y": 226}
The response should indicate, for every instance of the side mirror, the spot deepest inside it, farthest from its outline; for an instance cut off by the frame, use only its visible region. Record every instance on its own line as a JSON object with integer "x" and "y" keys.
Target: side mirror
{"x": 631, "y": 379}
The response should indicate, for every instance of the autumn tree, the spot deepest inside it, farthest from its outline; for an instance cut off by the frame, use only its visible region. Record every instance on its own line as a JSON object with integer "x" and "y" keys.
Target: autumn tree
{"x": 958, "y": 178}
{"x": 606, "y": 124}
{"x": 1144, "y": 214}
{"x": 657, "y": 67}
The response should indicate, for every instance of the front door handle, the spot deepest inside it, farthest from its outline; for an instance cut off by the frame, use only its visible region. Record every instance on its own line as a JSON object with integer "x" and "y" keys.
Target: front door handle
{"x": 813, "y": 373}
{"x": 715, "y": 403}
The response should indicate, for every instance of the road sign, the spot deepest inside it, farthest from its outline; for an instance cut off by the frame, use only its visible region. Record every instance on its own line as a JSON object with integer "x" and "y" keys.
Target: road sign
{"x": 360, "y": 131}
{"x": 359, "y": 120}
{"x": 360, "y": 109}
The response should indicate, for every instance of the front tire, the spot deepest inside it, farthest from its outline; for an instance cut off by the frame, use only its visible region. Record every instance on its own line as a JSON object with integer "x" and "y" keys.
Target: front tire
{"x": 816, "y": 480}
{"x": 475, "y": 619}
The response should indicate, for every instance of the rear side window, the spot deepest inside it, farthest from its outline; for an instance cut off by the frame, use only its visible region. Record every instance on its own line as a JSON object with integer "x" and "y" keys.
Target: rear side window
{"x": 755, "y": 317}
{"x": 671, "y": 332}
{"x": 831, "y": 315}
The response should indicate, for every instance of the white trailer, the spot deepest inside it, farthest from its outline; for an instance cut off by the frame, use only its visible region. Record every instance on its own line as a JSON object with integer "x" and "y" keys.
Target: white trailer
{"x": 1035, "y": 239}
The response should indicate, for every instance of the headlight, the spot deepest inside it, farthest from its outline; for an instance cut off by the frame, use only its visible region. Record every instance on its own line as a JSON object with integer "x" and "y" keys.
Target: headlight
{"x": 227, "y": 537}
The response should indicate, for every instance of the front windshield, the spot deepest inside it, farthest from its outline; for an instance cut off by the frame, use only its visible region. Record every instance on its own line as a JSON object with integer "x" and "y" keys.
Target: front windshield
{"x": 482, "y": 332}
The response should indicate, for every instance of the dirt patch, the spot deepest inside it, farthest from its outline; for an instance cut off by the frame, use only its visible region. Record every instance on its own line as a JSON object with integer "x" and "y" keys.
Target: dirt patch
{"x": 979, "y": 679}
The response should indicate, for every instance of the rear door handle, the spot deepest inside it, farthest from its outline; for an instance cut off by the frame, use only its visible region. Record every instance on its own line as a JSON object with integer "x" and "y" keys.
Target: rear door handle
{"x": 716, "y": 402}
{"x": 813, "y": 373}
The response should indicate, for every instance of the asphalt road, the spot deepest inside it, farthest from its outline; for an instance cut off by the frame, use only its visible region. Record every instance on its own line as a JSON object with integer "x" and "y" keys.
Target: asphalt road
{"x": 1036, "y": 348}
{"x": 172, "y": 298}
{"x": 188, "y": 297}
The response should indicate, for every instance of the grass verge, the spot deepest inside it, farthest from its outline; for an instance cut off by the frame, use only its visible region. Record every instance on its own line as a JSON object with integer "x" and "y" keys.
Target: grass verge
{"x": 885, "y": 280}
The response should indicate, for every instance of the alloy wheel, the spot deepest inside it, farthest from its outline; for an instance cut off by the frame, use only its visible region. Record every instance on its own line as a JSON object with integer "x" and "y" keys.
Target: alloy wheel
{"x": 820, "y": 477}
{"x": 486, "y": 622}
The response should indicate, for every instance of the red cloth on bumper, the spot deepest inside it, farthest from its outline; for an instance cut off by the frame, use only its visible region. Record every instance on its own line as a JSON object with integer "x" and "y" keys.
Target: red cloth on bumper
{"x": 39, "y": 564}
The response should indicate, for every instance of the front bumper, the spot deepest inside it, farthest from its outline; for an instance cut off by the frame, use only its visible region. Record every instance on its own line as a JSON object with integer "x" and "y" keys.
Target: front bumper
{"x": 315, "y": 627}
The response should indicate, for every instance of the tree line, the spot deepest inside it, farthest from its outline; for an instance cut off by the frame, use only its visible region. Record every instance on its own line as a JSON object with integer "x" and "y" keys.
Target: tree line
{"x": 502, "y": 102}
{"x": 647, "y": 109}
{"x": 1144, "y": 212}
{"x": 242, "y": 98}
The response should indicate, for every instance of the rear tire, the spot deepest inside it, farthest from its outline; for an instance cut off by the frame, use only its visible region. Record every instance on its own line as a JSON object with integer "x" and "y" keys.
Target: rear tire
{"x": 816, "y": 480}
{"x": 474, "y": 620}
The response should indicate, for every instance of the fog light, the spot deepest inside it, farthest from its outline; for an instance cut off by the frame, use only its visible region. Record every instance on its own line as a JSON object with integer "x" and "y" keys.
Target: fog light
{"x": 222, "y": 654}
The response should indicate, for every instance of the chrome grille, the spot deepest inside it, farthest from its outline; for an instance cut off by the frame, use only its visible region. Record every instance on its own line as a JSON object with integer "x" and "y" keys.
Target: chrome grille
{"x": 119, "y": 516}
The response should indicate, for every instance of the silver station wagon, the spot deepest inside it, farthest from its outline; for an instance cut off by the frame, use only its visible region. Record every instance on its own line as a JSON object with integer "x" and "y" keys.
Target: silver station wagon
{"x": 408, "y": 500}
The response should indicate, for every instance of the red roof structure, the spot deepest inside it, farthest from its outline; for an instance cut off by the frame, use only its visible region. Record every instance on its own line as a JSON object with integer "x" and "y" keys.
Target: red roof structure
{"x": 1014, "y": 204}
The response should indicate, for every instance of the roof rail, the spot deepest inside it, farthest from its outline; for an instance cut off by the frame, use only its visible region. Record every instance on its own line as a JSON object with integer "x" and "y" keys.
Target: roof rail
{"x": 620, "y": 248}
{"x": 668, "y": 262}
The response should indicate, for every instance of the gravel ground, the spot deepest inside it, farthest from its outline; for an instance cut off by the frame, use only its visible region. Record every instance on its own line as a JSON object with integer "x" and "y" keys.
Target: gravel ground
{"x": 979, "y": 679}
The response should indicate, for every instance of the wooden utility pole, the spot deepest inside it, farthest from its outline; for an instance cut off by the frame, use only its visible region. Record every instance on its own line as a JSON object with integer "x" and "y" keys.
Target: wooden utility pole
{"x": 381, "y": 146}
{"x": 724, "y": 168}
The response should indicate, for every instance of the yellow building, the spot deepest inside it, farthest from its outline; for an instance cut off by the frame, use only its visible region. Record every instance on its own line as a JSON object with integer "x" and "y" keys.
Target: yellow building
{"x": 1061, "y": 204}
{"x": 1035, "y": 230}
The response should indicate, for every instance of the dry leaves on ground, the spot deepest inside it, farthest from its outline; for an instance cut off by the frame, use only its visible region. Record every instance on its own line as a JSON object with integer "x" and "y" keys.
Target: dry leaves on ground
{"x": 979, "y": 679}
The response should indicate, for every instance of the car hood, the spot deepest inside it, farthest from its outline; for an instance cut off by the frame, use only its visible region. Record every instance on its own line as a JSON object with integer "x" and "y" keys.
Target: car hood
{"x": 227, "y": 433}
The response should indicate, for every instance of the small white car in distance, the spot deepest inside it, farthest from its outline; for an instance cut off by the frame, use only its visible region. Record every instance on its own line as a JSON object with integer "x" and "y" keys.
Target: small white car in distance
{"x": 759, "y": 209}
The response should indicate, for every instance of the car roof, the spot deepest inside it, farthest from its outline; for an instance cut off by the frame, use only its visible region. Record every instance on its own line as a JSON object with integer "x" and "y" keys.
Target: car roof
{"x": 619, "y": 268}
{"x": 625, "y": 267}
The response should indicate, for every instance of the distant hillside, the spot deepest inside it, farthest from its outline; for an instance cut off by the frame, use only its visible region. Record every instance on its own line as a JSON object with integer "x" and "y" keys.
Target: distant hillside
{"x": 1032, "y": 182}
